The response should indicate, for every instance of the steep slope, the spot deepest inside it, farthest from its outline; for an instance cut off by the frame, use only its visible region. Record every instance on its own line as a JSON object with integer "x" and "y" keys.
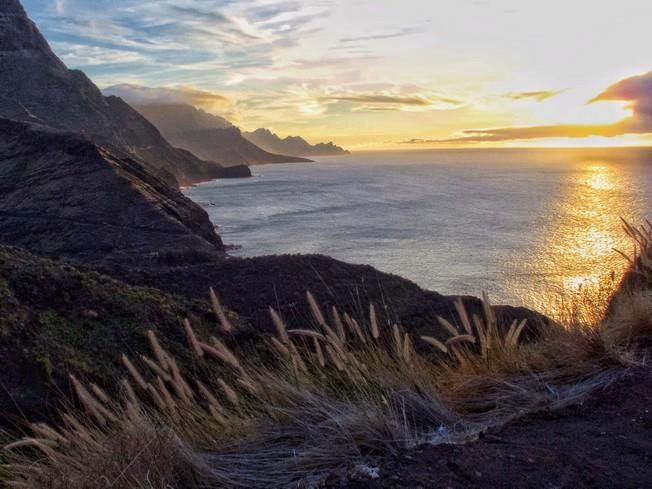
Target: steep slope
{"x": 55, "y": 319}
{"x": 208, "y": 136}
{"x": 35, "y": 86}
{"x": 292, "y": 145}
{"x": 173, "y": 118}
{"x": 61, "y": 194}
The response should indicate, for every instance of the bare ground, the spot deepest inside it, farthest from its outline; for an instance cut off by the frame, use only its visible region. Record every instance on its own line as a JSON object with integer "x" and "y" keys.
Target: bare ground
{"x": 604, "y": 443}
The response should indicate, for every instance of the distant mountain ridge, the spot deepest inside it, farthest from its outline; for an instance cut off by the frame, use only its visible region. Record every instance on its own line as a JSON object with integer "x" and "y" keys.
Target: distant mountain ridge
{"x": 177, "y": 117}
{"x": 208, "y": 136}
{"x": 172, "y": 112}
{"x": 36, "y": 87}
{"x": 293, "y": 145}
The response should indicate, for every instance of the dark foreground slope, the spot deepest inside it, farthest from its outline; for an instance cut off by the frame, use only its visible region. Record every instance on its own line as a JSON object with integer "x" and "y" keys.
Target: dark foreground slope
{"x": 249, "y": 286}
{"x": 209, "y": 137}
{"x": 61, "y": 194}
{"x": 36, "y": 87}
{"x": 56, "y": 319}
{"x": 605, "y": 443}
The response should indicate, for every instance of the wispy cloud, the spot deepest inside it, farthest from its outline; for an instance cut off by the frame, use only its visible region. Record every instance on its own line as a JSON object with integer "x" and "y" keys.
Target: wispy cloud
{"x": 407, "y": 31}
{"x": 636, "y": 91}
{"x": 174, "y": 37}
{"x": 85, "y": 55}
{"x": 60, "y": 6}
{"x": 378, "y": 102}
{"x": 539, "y": 96}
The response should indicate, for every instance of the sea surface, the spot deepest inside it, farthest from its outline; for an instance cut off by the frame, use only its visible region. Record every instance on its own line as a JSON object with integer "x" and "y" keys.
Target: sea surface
{"x": 526, "y": 225}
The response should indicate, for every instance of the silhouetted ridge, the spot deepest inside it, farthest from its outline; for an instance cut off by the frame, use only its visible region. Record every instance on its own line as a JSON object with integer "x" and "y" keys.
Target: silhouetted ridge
{"x": 11, "y": 7}
{"x": 293, "y": 145}
{"x": 208, "y": 136}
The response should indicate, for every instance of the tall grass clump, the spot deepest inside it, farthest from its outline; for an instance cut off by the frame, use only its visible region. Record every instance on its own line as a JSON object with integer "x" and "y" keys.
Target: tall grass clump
{"x": 312, "y": 402}
{"x": 627, "y": 328}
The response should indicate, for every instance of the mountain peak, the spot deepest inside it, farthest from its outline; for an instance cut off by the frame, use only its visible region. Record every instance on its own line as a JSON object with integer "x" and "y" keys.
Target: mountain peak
{"x": 170, "y": 117}
{"x": 20, "y": 38}
{"x": 291, "y": 145}
{"x": 12, "y": 7}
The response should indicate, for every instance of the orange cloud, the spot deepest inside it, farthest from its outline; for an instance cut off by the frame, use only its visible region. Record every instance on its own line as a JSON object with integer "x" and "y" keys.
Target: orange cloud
{"x": 203, "y": 99}
{"x": 539, "y": 96}
{"x": 180, "y": 94}
{"x": 636, "y": 91}
{"x": 379, "y": 102}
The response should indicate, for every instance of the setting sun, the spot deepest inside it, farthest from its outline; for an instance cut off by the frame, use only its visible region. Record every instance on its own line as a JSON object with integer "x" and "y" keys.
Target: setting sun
{"x": 368, "y": 77}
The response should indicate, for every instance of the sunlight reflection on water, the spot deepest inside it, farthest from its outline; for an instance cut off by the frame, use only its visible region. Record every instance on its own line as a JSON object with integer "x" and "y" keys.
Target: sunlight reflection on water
{"x": 526, "y": 225}
{"x": 578, "y": 245}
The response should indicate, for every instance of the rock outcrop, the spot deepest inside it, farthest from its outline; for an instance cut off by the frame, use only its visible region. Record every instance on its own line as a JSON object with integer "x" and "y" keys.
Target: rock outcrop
{"x": 36, "y": 87}
{"x": 63, "y": 195}
{"x": 208, "y": 136}
{"x": 292, "y": 145}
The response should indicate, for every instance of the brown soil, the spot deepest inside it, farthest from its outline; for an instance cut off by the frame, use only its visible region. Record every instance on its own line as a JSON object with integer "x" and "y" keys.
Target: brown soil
{"x": 604, "y": 443}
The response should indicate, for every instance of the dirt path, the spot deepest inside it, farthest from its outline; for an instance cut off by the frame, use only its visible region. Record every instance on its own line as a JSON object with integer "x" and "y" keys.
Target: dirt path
{"x": 604, "y": 443}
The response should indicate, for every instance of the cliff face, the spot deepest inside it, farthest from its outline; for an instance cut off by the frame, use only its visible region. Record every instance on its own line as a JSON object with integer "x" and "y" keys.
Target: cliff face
{"x": 35, "y": 86}
{"x": 61, "y": 194}
{"x": 208, "y": 136}
{"x": 292, "y": 145}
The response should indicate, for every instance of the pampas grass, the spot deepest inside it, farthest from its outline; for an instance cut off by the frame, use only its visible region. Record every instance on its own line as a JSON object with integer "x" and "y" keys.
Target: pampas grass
{"x": 223, "y": 322}
{"x": 629, "y": 325}
{"x": 313, "y": 401}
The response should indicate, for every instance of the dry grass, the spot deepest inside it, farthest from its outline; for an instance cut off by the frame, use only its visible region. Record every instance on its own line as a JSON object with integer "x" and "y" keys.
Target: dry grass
{"x": 315, "y": 401}
{"x": 628, "y": 329}
{"x": 132, "y": 453}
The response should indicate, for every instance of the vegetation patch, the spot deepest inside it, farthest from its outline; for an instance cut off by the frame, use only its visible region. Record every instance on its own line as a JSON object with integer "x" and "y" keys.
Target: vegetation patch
{"x": 328, "y": 400}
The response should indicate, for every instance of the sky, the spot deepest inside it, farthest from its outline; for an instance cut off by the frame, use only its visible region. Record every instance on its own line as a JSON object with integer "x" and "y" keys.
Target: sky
{"x": 378, "y": 74}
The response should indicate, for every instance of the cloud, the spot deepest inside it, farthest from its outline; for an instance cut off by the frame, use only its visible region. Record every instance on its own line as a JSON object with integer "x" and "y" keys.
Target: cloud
{"x": 500, "y": 134}
{"x": 60, "y": 6}
{"x": 389, "y": 102}
{"x": 204, "y": 99}
{"x": 407, "y": 31}
{"x": 636, "y": 91}
{"x": 179, "y": 41}
{"x": 539, "y": 96}
{"x": 84, "y": 55}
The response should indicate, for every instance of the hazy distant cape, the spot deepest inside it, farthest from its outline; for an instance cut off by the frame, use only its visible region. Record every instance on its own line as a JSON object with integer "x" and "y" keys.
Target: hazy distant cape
{"x": 292, "y": 145}
{"x": 176, "y": 118}
{"x": 208, "y": 136}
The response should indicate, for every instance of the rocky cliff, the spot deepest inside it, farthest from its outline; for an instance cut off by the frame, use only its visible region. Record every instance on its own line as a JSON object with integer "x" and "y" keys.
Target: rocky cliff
{"x": 61, "y": 194}
{"x": 208, "y": 136}
{"x": 35, "y": 86}
{"x": 292, "y": 145}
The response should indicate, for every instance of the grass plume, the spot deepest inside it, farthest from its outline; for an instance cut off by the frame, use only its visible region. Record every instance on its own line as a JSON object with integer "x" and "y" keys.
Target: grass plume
{"x": 312, "y": 401}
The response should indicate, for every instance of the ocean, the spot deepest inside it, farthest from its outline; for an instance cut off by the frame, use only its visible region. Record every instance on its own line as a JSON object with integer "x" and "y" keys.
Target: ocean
{"x": 526, "y": 225}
